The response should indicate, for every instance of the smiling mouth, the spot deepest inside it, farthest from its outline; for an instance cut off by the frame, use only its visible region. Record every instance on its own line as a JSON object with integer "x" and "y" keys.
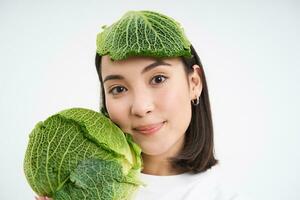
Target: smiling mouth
{"x": 151, "y": 129}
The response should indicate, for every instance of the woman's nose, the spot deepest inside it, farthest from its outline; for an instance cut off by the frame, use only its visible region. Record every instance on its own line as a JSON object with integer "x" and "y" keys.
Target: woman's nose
{"x": 142, "y": 104}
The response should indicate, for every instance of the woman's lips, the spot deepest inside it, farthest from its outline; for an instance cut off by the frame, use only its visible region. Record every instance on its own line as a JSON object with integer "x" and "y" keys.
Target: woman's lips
{"x": 150, "y": 129}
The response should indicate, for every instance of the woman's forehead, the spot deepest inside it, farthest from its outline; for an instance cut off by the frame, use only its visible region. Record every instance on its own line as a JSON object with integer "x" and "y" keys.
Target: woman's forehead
{"x": 108, "y": 64}
{"x": 106, "y": 60}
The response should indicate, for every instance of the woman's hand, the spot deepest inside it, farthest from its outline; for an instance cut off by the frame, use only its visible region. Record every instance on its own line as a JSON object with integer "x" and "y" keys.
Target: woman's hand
{"x": 42, "y": 198}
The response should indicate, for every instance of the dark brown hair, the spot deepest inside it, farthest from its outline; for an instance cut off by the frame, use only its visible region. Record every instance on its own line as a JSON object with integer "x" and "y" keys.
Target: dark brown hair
{"x": 197, "y": 154}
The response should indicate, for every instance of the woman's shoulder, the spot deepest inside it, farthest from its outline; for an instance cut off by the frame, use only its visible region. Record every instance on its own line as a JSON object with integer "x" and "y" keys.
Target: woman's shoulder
{"x": 206, "y": 185}
{"x": 210, "y": 184}
{"x": 221, "y": 187}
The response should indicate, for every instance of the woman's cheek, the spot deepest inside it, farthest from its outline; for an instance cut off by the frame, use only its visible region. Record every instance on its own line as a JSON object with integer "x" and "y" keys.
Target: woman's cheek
{"x": 166, "y": 99}
{"x": 117, "y": 111}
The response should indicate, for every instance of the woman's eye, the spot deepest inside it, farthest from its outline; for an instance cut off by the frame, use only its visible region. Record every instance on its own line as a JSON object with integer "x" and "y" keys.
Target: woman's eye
{"x": 159, "y": 79}
{"x": 117, "y": 90}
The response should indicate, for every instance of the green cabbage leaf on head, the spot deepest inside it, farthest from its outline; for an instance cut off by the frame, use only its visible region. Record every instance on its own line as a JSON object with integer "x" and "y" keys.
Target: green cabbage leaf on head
{"x": 81, "y": 154}
{"x": 143, "y": 33}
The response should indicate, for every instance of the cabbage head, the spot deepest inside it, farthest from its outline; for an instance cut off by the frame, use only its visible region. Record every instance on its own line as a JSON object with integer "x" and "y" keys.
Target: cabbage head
{"x": 81, "y": 154}
{"x": 143, "y": 33}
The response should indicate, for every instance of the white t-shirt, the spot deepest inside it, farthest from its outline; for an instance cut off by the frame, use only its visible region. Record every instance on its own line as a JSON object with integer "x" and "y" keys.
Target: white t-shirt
{"x": 186, "y": 186}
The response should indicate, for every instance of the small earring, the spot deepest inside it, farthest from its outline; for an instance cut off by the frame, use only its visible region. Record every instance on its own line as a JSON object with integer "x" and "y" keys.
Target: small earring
{"x": 196, "y": 101}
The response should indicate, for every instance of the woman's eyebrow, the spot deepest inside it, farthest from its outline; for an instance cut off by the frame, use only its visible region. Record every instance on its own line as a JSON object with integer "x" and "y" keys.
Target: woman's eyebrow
{"x": 113, "y": 77}
{"x": 147, "y": 68}
{"x": 153, "y": 65}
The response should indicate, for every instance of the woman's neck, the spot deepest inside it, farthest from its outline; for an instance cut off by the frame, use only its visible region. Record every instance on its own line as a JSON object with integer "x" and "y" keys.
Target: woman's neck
{"x": 158, "y": 165}
{"x": 155, "y": 166}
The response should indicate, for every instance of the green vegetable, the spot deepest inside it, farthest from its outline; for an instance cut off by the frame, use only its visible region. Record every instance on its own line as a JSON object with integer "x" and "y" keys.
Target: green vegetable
{"x": 81, "y": 154}
{"x": 143, "y": 33}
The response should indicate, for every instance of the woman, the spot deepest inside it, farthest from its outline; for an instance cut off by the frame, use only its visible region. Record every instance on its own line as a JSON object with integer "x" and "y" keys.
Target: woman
{"x": 153, "y": 87}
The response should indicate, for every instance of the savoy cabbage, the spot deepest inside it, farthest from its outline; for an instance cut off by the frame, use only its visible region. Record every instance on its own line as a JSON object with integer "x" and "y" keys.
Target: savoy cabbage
{"x": 143, "y": 33}
{"x": 81, "y": 154}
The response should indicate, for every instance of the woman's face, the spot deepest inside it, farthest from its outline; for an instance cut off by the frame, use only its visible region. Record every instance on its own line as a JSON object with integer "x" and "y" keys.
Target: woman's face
{"x": 144, "y": 91}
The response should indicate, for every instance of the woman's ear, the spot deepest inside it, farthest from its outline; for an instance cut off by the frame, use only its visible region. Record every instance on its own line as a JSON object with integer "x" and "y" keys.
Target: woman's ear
{"x": 195, "y": 83}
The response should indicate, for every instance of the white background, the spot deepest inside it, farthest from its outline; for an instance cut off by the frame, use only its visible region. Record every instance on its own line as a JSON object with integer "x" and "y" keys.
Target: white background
{"x": 250, "y": 52}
